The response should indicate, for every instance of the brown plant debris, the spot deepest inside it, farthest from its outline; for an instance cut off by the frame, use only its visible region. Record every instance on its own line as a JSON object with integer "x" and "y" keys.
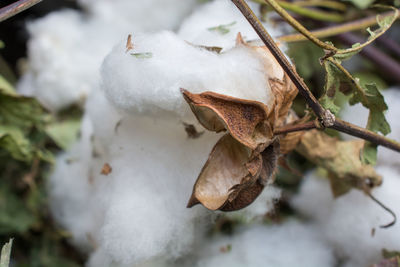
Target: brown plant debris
{"x": 106, "y": 170}
{"x": 191, "y": 131}
{"x": 245, "y": 159}
{"x": 341, "y": 159}
{"x": 129, "y": 43}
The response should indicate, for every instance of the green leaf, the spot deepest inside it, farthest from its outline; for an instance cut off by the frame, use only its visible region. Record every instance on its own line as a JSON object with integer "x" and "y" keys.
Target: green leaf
{"x": 307, "y": 62}
{"x": 15, "y": 217}
{"x": 368, "y": 95}
{"x": 5, "y": 254}
{"x": 372, "y": 99}
{"x": 21, "y": 121}
{"x": 335, "y": 81}
{"x": 13, "y": 140}
{"x": 384, "y": 24}
{"x": 6, "y": 86}
{"x": 329, "y": 103}
{"x": 223, "y": 28}
{"x": 64, "y": 133}
{"x": 387, "y": 254}
{"x": 21, "y": 111}
{"x": 362, "y": 4}
{"x": 369, "y": 153}
{"x": 142, "y": 55}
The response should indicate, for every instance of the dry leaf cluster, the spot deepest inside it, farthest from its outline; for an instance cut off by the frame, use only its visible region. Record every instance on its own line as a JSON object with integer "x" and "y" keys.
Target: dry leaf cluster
{"x": 245, "y": 159}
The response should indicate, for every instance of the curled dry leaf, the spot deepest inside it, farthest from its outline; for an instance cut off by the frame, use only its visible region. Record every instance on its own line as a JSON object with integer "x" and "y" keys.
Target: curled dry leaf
{"x": 342, "y": 161}
{"x": 289, "y": 141}
{"x": 129, "y": 44}
{"x": 227, "y": 167}
{"x": 246, "y": 121}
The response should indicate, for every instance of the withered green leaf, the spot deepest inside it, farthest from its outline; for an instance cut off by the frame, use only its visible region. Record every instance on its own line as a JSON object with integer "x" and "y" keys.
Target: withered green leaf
{"x": 342, "y": 161}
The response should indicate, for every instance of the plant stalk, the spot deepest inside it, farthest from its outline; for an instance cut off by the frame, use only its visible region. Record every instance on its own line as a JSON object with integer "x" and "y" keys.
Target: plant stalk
{"x": 325, "y": 117}
{"x": 281, "y": 58}
{"x": 296, "y": 127}
{"x": 15, "y": 8}
{"x": 337, "y": 29}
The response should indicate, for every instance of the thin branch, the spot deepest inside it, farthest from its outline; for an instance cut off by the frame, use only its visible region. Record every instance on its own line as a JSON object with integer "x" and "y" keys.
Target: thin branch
{"x": 354, "y": 130}
{"x": 296, "y": 127}
{"x": 298, "y": 7}
{"x": 377, "y": 34}
{"x": 15, "y": 8}
{"x": 322, "y": 3}
{"x": 295, "y": 24}
{"x": 325, "y": 117}
{"x": 280, "y": 57}
{"x": 312, "y": 13}
{"x": 384, "y": 63}
{"x": 337, "y": 29}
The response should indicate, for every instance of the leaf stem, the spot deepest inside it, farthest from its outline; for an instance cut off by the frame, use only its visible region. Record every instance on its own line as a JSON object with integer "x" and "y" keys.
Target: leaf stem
{"x": 295, "y": 24}
{"x": 386, "y": 64}
{"x": 311, "y": 13}
{"x": 337, "y": 29}
{"x": 354, "y": 130}
{"x": 15, "y": 8}
{"x": 298, "y": 7}
{"x": 395, "y": 15}
{"x": 296, "y": 127}
{"x": 325, "y": 117}
{"x": 322, "y": 3}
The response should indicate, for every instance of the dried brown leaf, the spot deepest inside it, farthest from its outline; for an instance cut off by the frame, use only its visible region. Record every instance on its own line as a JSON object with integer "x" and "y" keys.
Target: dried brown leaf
{"x": 270, "y": 157}
{"x": 284, "y": 93}
{"x": 227, "y": 170}
{"x": 342, "y": 161}
{"x": 244, "y": 160}
{"x": 106, "y": 170}
{"x": 289, "y": 141}
{"x": 129, "y": 44}
{"x": 245, "y": 120}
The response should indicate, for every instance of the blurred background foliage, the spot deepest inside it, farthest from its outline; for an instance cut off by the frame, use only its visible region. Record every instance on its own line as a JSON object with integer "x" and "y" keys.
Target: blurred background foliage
{"x": 30, "y": 136}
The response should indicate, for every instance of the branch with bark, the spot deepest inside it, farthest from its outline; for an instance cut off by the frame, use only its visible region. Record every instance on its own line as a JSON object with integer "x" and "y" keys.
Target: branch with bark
{"x": 325, "y": 117}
